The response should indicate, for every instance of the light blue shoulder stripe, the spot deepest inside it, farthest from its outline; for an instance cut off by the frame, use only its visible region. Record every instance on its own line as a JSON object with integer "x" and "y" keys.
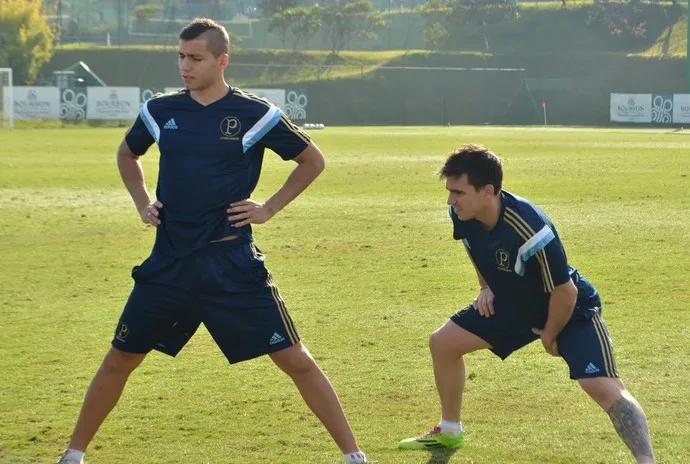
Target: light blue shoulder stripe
{"x": 150, "y": 123}
{"x": 265, "y": 124}
{"x": 532, "y": 246}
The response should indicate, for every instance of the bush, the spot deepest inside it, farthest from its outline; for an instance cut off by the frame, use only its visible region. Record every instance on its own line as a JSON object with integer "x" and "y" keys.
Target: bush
{"x": 621, "y": 19}
{"x": 26, "y": 40}
{"x": 145, "y": 12}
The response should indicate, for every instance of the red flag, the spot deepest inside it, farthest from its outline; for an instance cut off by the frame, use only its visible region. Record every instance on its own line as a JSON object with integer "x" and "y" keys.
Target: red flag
{"x": 543, "y": 102}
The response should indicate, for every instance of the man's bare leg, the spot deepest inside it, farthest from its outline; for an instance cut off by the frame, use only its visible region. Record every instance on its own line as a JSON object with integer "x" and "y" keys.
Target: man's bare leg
{"x": 625, "y": 413}
{"x": 103, "y": 394}
{"x": 318, "y": 393}
{"x": 448, "y": 345}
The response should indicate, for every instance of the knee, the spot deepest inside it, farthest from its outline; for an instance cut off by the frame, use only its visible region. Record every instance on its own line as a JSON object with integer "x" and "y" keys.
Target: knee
{"x": 439, "y": 344}
{"x": 434, "y": 341}
{"x": 118, "y": 362}
{"x": 604, "y": 391}
{"x": 295, "y": 361}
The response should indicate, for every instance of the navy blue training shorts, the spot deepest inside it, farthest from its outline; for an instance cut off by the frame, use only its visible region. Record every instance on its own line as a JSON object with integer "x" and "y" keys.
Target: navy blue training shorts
{"x": 584, "y": 343}
{"x": 225, "y": 286}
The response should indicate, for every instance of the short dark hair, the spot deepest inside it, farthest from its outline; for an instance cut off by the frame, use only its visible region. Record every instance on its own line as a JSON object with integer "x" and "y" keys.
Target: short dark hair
{"x": 481, "y": 165}
{"x": 215, "y": 35}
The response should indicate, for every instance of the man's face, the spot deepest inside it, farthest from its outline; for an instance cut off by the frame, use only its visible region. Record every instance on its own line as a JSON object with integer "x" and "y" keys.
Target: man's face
{"x": 198, "y": 67}
{"x": 467, "y": 202}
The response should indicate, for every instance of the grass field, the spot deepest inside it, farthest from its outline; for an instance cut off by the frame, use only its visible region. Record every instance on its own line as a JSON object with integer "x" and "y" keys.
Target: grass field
{"x": 368, "y": 267}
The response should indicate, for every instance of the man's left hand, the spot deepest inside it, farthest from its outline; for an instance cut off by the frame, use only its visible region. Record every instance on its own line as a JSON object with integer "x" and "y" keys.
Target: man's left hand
{"x": 248, "y": 211}
{"x": 548, "y": 341}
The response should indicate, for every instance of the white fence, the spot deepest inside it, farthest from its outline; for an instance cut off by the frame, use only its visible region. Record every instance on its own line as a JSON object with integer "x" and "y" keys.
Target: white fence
{"x": 33, "y": 102}
{"x": 650, "y": 108}
{"x": 119, "y": 103}
{"x": 123, "y": 103}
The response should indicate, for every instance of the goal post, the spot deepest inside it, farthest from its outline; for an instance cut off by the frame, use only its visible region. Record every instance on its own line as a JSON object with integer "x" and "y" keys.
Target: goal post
{"x": 6, "y": 98}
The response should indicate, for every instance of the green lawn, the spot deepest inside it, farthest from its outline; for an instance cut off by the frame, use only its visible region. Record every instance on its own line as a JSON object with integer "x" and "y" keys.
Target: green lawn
{"x": 367, "y": 265}
{"x": 673, "y": 41}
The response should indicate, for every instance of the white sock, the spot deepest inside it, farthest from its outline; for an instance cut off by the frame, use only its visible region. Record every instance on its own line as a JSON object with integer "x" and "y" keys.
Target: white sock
{"x": 73, "y": 453}
{"x": 450, "y": 428}
{"x": 358, "y": 457}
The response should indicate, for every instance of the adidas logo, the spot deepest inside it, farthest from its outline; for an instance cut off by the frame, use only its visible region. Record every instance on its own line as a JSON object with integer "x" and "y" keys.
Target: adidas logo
{"x": 171, "y": 124}
{"x": 591, "y": 369}
{"x": 276, "y": 338}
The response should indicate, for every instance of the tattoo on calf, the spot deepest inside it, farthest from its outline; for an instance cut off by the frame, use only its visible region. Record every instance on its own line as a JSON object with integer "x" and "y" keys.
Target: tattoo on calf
{"x": 631, "y": 424}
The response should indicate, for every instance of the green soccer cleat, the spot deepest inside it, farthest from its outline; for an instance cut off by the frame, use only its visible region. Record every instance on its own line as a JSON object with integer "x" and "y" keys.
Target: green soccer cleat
{"x": 433, "y": 439}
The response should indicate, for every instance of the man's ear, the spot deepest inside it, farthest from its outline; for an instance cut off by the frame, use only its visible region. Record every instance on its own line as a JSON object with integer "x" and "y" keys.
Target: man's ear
{"x": 224, "y": 60}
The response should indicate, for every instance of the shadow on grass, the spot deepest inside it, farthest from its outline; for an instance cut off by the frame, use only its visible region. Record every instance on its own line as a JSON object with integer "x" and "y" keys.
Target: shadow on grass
{"x": 441, "y": 456}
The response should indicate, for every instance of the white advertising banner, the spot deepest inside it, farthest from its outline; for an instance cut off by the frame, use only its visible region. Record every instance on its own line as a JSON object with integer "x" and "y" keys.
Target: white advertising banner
{"x": 275, "y": 96}
{"x": 33, "y": 102}
{"x": 681, "y": 108}
{"x": 112, "y": 102}
{"x": 631, "y": 107}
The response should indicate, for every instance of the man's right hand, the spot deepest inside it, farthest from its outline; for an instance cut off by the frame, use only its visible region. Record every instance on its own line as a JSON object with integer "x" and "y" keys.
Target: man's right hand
{"x": 484, "y": 303}
{"x": 150, "y": 213}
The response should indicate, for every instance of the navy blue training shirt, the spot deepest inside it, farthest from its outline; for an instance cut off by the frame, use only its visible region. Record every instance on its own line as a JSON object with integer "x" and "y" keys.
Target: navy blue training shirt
{"x": 522, "y": 259}
{"x": 210, "y": 156}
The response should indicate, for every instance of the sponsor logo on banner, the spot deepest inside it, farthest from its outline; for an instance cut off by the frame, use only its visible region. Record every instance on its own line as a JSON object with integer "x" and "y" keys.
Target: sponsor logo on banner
{"x": 33, "y": 102}
{"x": 662, "y": 109}
{"x": 635, "y": 107}
{"x": 146, "y": 94}
{"x": 113, "y": 102}
{"x": 681, "y": 108}
{"x": 72, "y": 105}
{"x": 296, "y": 105}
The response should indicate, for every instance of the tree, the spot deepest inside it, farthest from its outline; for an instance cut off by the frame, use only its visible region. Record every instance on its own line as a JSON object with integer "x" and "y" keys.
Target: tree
{"x": 435, "y": 35}
{"x": 435, "y": 13}
{"x": 622, "y": 19}
{"x": 296, "y": 25}
{"x": 271, "y": 7}
{"x": 26, "y": 40}
{"x": 341, "y": 20}
{"x": 482, "y": 13}
{"x": 147, "y": 11}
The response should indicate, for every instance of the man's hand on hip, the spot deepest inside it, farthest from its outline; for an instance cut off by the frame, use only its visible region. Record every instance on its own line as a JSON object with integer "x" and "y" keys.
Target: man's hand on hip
{"x": 248, "y": 211}
{"x": 548, "y": 340}
{"x": 484, "y": 303}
